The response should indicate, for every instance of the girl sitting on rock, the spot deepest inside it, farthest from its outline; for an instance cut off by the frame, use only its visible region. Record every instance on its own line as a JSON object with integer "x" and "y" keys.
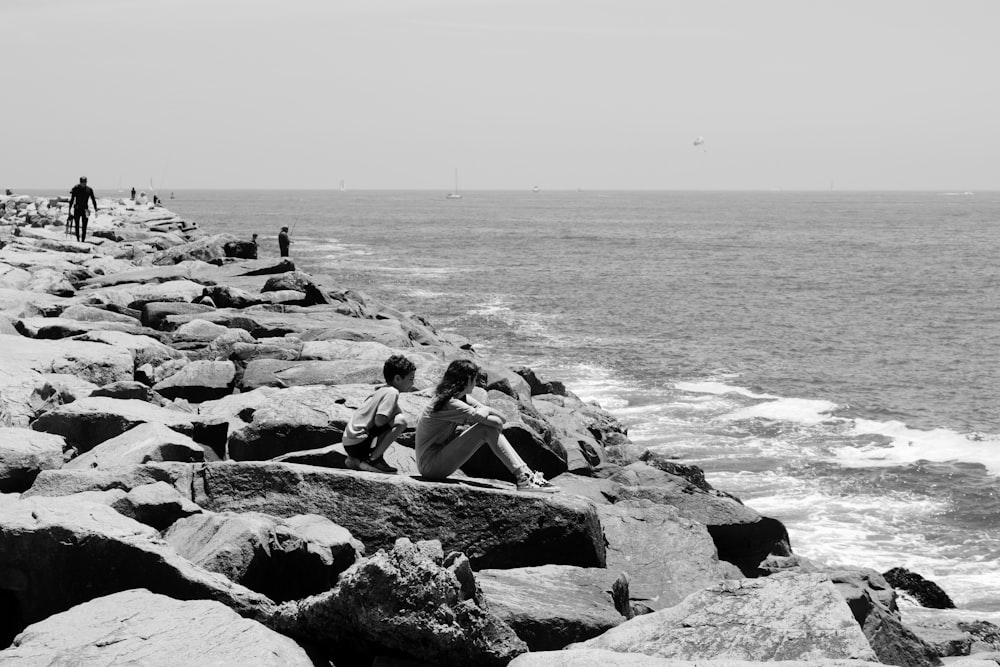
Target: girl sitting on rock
{"x": 440, "y": 452}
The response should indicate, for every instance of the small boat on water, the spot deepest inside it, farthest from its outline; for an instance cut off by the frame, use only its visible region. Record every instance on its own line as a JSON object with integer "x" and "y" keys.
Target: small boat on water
{"x": 455, "y": 194}
{"x": 536, "y": 189}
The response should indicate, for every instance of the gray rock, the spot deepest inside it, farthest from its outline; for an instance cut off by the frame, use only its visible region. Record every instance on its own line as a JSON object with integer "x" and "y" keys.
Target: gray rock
{"x": 783, "y": 617}
{"x": 158, "y": 314}
{"x": 741, "y": 535}
{"x": 199, "y": 381}
{"x": 265, "y": 553}
{"x": 144, "y": 349}
{"x": 70, "y": 481}
{"x": 61, "y": 327}
{"x": 90, "y": 421}
{"x": 137, "y": 627}
{"x": 126, "y": 389}
{"x": 604, "y": 658}
{"x": 55, "y": 389}
{"x": 59, "y": 552}
{"x": 495, "y": 528}
{"x": 666, "y": 556}
{"x": 25, "y": 453}
{"x": 411, "y": 600}
{"x": 144, "y": 443}
{"x": 158, "y": 505}
{"x": 91, "y": 314}
{"x": 550, "y": 606}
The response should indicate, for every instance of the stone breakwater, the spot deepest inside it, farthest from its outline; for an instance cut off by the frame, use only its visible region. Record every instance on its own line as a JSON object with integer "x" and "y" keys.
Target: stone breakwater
{"x": 174, "y": 490}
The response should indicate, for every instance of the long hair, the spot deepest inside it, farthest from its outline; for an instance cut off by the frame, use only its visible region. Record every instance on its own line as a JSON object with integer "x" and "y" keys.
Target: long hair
{"x": 456, "y": 377}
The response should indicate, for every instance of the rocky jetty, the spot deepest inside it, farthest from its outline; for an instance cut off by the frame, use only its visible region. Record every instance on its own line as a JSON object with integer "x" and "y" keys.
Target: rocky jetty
{"x": 173, "y": 490}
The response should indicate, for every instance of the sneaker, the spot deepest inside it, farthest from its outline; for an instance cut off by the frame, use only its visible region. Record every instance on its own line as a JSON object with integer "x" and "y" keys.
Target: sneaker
{"x": 535, "y": 482}
{"x": 378, "y": 465}
{"x": 353, "y": 463}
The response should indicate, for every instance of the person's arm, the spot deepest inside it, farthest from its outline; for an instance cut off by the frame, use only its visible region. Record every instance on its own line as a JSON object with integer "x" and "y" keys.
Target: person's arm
{"x": 93, "y": 199}
{"x": 484, "y": 414}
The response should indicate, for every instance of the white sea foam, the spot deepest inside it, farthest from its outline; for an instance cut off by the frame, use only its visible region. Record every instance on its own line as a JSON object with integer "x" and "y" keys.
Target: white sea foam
{"x": 798, "y": 410}
{"x": 718, "y": 388}
{"x": 909, "y": 445}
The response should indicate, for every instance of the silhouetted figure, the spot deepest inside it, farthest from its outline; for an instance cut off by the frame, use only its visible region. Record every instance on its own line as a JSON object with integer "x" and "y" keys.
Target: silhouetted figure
{"x": 283, "y": 241}
{"x": 79, "y": 197}
{"x": 133, "y": 194}
{"x": 255, "y": 246}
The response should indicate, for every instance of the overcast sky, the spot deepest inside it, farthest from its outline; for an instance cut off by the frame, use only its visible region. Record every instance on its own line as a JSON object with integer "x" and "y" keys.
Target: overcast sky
{"x": 565, "y": 94}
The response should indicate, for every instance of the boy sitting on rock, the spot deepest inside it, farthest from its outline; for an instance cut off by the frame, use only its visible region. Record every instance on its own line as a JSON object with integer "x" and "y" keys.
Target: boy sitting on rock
{"x": 379, "y": 421}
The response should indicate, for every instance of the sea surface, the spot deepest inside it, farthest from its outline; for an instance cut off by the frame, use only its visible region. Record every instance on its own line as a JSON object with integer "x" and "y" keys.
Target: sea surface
{"x": 832, "y": 358}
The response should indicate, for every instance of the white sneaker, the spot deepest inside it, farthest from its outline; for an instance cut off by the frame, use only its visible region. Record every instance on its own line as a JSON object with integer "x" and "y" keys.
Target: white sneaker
{"x": 535, "y": 482}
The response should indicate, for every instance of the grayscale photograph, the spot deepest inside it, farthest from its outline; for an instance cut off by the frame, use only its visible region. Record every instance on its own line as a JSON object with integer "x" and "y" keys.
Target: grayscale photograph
{"x": 549, "y": 333}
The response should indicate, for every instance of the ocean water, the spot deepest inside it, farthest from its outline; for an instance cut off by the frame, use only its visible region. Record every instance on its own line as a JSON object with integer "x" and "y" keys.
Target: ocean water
{"x": 832, "y": 358}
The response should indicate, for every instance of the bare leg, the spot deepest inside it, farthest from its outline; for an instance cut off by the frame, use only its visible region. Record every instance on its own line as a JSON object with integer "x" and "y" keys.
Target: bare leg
{"x": 439, "y": 461}
{"x": 387, "y": 438}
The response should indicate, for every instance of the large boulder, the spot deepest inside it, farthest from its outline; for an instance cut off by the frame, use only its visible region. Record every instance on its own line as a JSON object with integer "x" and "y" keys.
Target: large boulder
{"x": 25, "y": 453}
{"x": 410, "y": 600}
{"x": 150, "y": 441}
{"x": 26, "y": 359}
{"x": 158, "y": 314}
{"x": 265, "y": 553}
{"x": 308, "y": 323}
{"x": 278, "y": 373}
{"x": 137, "y": 627}
{"x": 666, "y": 556}
{"x": 924, "y": 591}
{"x": 741, "y": 535}
{"x": 61, "y": 327}
{"x": 199, "y": 381}
{"x": 494, "y": 528}
{"x": 90, "y": 421}
{"x": 292, "y": 420}
{"x": 595, "y": 657}
{"x": 550, "y": 606}
{"x": 783, "y": 617}
{"x": 204, "y": 249}
{"x": 59, "y": 552}
{"x": 144, "y": 349}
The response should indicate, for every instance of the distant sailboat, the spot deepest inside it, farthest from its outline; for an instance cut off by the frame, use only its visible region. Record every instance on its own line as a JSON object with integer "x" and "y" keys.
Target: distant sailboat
{"x": 343, "y": 188}
{"x": 455, "y": 195}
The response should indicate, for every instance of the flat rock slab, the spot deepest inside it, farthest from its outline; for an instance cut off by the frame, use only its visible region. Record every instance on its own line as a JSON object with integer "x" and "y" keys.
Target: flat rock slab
{"x": 25, "y": 359}
{"x": 59, "y": 552}
{"x": 308, "y": 323}
{"x": 144, "y": 443}
{"x": 90, "y": 421}
{"x": 550, "y": 606}
{"x": 199, "y": 381}
{"x": 25, "y": 453}
{"x": 782, "y": 617}
{"x": 604, "y": 658}
{"x": 494, "y": 528}
{"x": 278, "y": 373}
{"x": 666, "y": 556}
{"x": 62, "y": 327}
{"x": 137, "y": 627}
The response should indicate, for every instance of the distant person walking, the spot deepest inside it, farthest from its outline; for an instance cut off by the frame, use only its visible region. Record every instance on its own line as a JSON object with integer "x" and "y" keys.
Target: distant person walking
{"x": 79, "y": 197}
{"x": 133, "y": 194}
{"x": 255, "y": 246}
{"x": 283, "y": 241}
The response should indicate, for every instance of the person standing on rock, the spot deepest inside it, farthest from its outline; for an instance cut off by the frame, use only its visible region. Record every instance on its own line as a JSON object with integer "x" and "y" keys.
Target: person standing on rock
{"x": 440, "y": 452}
{"x": 283, "y": 241}
{"x": 79, "y": 198}
{"x": 379, "y": 421}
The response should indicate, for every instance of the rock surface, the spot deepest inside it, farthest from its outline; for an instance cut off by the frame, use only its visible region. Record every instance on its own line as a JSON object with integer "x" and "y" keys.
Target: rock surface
{"x": 137, "y": 627}
{"x": 783, "y": 617}
{"x": 411, "y": 599}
